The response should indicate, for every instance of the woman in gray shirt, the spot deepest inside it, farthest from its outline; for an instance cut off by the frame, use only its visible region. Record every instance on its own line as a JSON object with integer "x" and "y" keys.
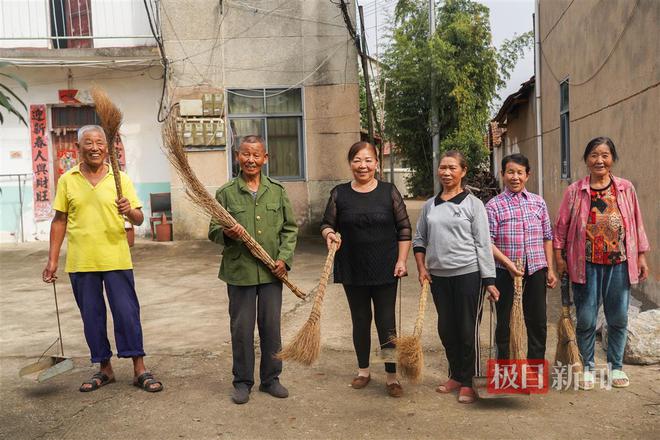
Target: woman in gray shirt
{"x": 453, "y": 252}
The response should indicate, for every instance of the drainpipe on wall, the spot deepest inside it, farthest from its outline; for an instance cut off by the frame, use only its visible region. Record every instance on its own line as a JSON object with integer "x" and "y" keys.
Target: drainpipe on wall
{"x": 537, "y": 95}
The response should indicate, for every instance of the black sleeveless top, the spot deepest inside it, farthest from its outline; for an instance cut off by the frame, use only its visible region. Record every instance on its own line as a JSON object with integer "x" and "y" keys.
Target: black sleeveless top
{"x": 371, "y": 225}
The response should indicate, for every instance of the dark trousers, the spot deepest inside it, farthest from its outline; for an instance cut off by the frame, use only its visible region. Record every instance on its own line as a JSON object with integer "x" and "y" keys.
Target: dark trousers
{"x": 534, "y": 311}
{"x": 125, "y": 308}
{"x": 261, "y": 304}
{"x": 458, "y": 300}
{"x": 384, "y": 301}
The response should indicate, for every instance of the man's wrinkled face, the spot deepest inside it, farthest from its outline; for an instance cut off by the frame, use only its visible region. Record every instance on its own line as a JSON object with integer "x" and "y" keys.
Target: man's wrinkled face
{"x": 251, "y": 158}
{"x": 93, "y": 148}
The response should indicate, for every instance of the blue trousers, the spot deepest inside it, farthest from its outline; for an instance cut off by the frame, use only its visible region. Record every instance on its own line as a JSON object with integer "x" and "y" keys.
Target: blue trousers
{"x": 120, "y": 289}
{"x": 611, "y": 285}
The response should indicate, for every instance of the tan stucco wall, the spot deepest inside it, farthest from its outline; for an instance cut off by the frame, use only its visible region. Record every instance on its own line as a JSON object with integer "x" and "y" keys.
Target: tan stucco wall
{"x": 211, "y": 169}
{"x": 332, "y": 124}
{"x": 302, "y": 43}
{"x": 621, "y": 100}
{"x": 521, "y": 132}
{"x": 331, "y": 127}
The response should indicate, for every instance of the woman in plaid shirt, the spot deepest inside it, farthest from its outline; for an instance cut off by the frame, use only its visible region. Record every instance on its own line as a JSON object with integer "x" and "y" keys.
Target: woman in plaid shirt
{"x": 520, "y": 229}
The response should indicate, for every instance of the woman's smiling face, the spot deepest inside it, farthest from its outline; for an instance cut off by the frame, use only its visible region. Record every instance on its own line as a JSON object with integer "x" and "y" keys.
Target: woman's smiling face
{"x": 364, "y": 164}
{"x": 600, "y": 160}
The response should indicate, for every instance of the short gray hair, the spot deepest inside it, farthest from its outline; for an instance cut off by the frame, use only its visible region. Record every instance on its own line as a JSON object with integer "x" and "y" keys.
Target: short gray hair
{"x": 88, "y": 128}
{"x": 253, "y": 139}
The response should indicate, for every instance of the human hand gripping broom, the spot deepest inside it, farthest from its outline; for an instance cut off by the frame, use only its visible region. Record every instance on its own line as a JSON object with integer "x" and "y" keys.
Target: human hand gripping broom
{"x": 201, "y": 198}
{"x": 306, "y": 345}
{"x": 410, "y": 355}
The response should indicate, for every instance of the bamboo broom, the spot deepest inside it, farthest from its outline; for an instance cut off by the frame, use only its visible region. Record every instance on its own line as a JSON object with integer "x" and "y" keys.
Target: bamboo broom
{"x": 111, "y": 118}
{"x": 198, "y": 194}
{"x": 306, "y": 345}
{"x": 410, "y": 355}
{"x": 567, "y": 353}
{"x": 517, "y": 349}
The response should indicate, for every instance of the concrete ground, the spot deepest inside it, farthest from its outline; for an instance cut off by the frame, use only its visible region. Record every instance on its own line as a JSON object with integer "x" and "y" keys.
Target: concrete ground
{"x": 186, "y": 331}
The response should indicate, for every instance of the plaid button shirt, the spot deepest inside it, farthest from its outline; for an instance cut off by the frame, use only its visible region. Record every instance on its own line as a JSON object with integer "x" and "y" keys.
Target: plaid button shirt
{"x": 519, "y": 224}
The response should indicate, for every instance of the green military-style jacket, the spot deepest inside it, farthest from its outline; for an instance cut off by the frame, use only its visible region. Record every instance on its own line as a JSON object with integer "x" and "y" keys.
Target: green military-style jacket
{"x": 268, "y": 218}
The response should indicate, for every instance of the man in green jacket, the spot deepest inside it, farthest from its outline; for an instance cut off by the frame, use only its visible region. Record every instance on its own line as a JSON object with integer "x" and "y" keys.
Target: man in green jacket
{"x": 261, "y": 207}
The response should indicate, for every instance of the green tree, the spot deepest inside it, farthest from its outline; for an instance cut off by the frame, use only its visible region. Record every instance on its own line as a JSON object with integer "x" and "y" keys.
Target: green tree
{"x": 6, "y": 98}
{"x": 468, "y": 70}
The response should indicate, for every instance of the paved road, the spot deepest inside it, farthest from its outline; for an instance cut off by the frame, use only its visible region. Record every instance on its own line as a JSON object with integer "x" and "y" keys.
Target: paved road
{"x": 184, "y": 310}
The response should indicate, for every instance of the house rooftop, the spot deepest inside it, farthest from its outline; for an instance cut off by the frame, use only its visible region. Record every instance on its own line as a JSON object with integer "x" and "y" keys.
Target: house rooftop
{"x": 513, "y": 100}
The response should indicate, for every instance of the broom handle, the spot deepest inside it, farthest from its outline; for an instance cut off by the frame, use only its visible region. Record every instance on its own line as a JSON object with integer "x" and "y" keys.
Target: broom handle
{"x": 329, "y": 260}
{"x": 565, "y": 291}
{"x": 258, "y": 251}
{"x": 57, "y": 311}
{"x": 115, "y": 165}
{"x": 323, "y": 280}
{"x": 421, "y": 308}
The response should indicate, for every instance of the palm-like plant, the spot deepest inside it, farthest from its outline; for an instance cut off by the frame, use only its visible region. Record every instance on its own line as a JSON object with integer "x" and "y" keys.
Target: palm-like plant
{"x": 6, "y": 103}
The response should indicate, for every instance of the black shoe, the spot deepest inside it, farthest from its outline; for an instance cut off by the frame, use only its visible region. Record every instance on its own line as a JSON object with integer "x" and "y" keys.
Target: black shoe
{"x": 240, "y": 395}
{"x": 275, "y": 389}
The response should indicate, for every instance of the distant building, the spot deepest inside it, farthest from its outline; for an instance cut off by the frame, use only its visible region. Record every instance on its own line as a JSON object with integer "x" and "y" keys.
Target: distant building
{"x": 287, "y": 72}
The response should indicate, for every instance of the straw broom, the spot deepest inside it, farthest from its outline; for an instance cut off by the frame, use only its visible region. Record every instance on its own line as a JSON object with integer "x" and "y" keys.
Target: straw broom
{"x": 517, "y": 349}
{"x": 410, "y": 355}
{"x": 567, "y": 352}
{"x": 111, "y": 118}
{"x": 306, "y": 345}
{"x": 198, "y": 194}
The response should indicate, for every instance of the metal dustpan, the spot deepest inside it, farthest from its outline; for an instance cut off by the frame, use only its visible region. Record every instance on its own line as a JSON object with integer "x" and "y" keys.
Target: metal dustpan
{"x": 48, "y": 367}
{"x": 480, "y": 381}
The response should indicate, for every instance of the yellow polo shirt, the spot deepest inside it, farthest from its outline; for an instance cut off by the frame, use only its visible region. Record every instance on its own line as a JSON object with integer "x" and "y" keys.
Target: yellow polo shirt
{"x": 95, "y": 229}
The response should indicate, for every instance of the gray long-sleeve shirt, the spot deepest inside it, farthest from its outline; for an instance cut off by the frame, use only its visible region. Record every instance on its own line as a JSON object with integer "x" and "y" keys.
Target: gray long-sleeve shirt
{"x": 455, "y": 237}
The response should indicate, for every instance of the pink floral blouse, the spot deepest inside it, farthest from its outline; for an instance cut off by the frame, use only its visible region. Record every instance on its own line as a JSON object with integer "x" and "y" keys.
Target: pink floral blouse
{"x": 570, "y": 228}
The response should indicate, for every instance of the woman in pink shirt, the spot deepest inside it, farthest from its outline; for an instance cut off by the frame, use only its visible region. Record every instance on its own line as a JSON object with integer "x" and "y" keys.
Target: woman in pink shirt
{"x": 600, "y": 231}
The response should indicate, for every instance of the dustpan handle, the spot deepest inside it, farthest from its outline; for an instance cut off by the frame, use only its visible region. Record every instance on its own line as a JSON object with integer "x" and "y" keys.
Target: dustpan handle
{"x": 491, "y": 336}
{"x": 59, "y": 328}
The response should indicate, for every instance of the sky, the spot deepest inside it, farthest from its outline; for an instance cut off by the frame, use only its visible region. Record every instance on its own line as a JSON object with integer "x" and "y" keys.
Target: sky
{"x": 507, "y": 18}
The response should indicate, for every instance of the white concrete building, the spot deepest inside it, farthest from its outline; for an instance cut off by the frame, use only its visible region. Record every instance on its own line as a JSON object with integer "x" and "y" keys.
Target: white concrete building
{"x": 60, "y": 48}
{"x": 286, "y": 71}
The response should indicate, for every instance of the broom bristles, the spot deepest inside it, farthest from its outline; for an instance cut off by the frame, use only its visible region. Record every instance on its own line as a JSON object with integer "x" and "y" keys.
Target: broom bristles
{"x": 410, "y": 355}
{"x": 567, "y": 352}
{"x": 517, "y": 349}
{"x": 305, "y": 347}
{"x": 197, "y": 193}
{"x": 108, "y": 113}
{"x": 111, "y": 118}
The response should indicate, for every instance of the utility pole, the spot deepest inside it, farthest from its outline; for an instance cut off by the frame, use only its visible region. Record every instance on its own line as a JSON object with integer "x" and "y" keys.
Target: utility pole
{"x": 435, "y": 132}
{"x": 381, "y": 100}
{"x": 367, "y": 87}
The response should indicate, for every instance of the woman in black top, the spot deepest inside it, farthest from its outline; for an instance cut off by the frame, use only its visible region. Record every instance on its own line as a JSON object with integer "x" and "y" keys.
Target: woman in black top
{"x": 375, "y": 239}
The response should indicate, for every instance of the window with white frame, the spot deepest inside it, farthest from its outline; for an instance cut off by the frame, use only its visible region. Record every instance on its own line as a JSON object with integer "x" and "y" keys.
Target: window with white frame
{"x": 277, "y": 116}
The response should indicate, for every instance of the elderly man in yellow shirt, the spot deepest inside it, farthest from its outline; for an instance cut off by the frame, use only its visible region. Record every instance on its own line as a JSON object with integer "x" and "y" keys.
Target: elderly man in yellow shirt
{"x": 88, "y": 212}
